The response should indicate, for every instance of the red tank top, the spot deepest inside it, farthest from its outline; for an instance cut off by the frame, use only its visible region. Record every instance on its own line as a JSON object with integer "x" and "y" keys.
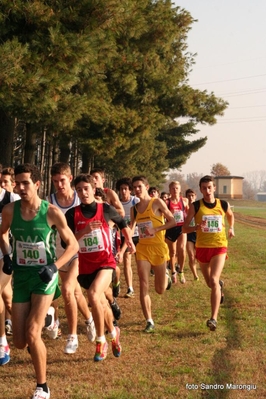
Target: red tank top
{"x": 178, "y": 210}
{"x": 95, "y": 248}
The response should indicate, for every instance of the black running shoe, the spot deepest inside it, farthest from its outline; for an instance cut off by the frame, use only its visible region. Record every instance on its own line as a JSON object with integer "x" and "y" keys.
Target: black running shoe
{"x": 116, "y": 290}
{"x": 116, "y": 310}
{"x": 222, "y": 291}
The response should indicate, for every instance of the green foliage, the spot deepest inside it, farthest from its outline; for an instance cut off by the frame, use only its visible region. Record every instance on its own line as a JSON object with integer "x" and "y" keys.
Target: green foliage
{"x": 110, "y": 74}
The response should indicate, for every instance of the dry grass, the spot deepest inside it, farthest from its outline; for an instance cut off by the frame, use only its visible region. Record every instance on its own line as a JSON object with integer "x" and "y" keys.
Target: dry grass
{"x": 182, "y": 350}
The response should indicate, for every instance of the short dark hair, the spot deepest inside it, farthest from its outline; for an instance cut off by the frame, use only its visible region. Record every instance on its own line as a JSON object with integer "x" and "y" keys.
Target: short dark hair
{"x": 99, "y": 192}
{"x": 151, "y": 189}
{"x": 35, "y": 173}
{"x": 207, "y": 179}
{"x": 141, "y": 178}
{"x": 124, "y": 180}
{"x": 190, "y": 191}
{"x": 84, "y": 177}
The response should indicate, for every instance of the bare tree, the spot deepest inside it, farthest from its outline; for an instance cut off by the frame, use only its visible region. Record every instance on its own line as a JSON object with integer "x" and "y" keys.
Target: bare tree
{"x": 218, "y": 169}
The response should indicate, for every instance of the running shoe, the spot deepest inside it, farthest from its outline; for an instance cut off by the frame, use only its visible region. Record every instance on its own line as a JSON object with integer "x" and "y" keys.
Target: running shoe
{"x": 222, "y": 291}
{"x": 212, "y": 324}
{"x": 174, "y": 279}
{"x": 182, "y": 277}
{"x": 52, "y": 331}
{"x": 8, "y": 327}
{"x": 116, "y": 310}
{"x": 149, "y": 328}
{"x": 4, "y": 354}
{"x": 101, "y": 351}
{"x": 169, "y": 284}
{"x": 130, "y": 293}
{"x": 49, "y": 318}
{"x": 116, "y": 346}
{"x": 116, "y": 289}
{"x": 91, "y": 331}
{"x": 41, "y": 394}
{"x": 72, "y": 344}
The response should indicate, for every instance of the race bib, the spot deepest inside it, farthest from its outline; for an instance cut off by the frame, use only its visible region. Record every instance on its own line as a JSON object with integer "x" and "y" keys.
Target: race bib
{"x": 192, "y": 223}
{"x": 31, "y": 253}
{"x": 92, "y": 242}
{"x": 179, "y": 216}
{"x": 213, "y": 224}
{"x": 143, "y": 229}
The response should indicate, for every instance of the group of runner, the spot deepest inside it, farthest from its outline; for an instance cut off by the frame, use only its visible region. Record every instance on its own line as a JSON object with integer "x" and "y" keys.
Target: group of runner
{"x": 86, "y": 255}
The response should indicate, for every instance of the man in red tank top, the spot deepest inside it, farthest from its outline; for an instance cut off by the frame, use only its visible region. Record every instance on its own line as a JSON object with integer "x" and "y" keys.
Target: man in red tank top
{"x": 174, "y": 237}
{"x": 89, "y": 222}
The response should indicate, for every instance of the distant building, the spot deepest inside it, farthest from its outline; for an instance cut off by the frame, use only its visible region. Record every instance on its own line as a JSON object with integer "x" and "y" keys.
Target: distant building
{"x": 229, "y": 187}
{"x": 261, "y": 197}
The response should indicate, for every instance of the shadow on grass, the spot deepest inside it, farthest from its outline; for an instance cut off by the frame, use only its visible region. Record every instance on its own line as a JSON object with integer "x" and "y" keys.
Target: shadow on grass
{"x": 223, "y": 369}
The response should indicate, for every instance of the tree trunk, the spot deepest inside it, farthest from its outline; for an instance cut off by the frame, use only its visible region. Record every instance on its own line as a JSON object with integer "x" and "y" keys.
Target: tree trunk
{"x": 7, "y": 127}
{"x": 31, "y": 144}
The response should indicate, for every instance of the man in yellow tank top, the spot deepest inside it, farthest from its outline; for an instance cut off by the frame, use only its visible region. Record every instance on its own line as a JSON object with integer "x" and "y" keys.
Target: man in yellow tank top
{"x": 211, "y": 242}
{"x": 151, "y": 251}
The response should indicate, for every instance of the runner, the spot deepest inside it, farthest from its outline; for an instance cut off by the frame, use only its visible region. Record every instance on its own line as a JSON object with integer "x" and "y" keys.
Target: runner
{"x": 175, "y": 237}
{"x": 191, "y": 238}
{"x": 124, "y": 188}
{"x": 65, "y": 198}
{"x": 211, "y": 244}
{"x": 151, "y": 251}
{"x": 35, "y": 279}
{"x": 89, "y": 222}
{"x": 6, "y": 196}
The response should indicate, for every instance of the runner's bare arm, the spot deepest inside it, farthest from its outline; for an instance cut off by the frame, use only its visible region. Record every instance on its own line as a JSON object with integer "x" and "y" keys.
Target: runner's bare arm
{"x": 186, "y": 228}
{"x": 112, "y": 199}
{"x": 231, "y": 220}
{"x": 56, "y": 218}
{"x": 7, "y": 216}
{"x": 160, "y": 205}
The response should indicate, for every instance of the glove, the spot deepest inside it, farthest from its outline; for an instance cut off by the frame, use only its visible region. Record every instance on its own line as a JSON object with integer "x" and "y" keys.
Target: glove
{"x": 46, "y": 273}
{"x": 7, "y": 267}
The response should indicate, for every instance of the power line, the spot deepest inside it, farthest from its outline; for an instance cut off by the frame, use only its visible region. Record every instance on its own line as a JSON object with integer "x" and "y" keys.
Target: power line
{"x": 229, "y": 80}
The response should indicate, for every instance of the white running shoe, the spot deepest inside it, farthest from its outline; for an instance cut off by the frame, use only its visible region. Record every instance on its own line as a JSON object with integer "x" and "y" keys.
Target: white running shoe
{"x": 41, "y": 394}
{"x": 91, "y": 331}
{"x": 72, "y": 344}
{"x": 52, "y": 331}
{"x": 49, "y": 318}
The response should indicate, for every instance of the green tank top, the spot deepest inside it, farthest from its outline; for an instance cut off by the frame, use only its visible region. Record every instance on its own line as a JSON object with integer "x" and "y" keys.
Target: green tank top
{"x": 34, "y": 240}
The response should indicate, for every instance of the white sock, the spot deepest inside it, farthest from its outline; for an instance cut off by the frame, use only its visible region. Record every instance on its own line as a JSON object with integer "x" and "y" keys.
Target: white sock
{"x": 113, "y": 334}
{"x": 3, "y": 341}
{"x": 101, "y": 339}
{"x": 150, "y": 321}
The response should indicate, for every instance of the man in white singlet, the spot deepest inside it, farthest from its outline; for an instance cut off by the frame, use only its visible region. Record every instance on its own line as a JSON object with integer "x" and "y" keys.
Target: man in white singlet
{"x": 65, "y": 198}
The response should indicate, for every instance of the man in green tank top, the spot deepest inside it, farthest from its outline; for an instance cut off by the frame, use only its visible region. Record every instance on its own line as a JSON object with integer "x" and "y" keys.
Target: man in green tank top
{"x": 33, "y": 223}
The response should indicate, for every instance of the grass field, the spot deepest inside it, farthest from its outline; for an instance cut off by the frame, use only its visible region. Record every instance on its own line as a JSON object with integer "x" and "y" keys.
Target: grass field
{"x": 182, "y": 359}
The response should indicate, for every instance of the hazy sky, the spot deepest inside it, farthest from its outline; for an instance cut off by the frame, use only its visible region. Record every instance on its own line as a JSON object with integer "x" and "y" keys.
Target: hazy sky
{"x": 229, "y": 39}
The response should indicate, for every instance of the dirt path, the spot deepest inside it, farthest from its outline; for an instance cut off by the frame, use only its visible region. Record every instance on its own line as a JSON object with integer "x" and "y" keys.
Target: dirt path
{"x": 250, "y": 220}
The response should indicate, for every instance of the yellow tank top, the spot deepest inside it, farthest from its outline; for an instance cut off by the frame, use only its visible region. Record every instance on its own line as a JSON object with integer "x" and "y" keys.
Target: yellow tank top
{"x": 149, "y": 219}
{"x": 213, "y": 235}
